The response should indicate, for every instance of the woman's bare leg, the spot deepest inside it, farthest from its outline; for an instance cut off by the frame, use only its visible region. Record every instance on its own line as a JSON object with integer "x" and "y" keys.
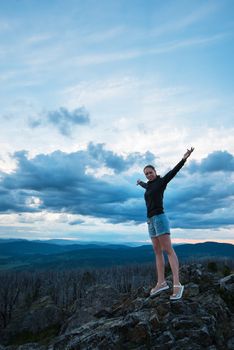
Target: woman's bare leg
{"x": 165, "y": 244}
{"x": 160, "y": 263}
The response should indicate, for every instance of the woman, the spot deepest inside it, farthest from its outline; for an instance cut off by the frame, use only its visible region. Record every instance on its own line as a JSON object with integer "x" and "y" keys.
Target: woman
{"x": 158, "y": 226}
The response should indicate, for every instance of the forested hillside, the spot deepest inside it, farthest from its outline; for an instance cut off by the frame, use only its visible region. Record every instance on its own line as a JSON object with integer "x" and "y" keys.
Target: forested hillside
{"x": 32, "y": 255}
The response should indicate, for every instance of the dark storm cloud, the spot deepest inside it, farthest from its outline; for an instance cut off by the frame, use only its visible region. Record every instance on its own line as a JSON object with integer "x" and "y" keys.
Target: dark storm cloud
{"x": 117, "y": 162}
{"x": 200, "y": 201}
{"x": 215, "y": 161}
{"x": 61, "y": 181}
{"x": 203, "y": 198}
{"x": 62, "y": 119}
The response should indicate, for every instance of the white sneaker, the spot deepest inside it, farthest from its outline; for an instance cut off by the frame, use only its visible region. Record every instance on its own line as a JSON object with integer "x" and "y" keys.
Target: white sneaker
{"x": 159, "y": 288}
{"x": 178, "y": 295}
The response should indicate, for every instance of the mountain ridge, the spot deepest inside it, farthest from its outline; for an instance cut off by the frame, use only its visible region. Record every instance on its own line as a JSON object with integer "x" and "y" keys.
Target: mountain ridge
{"x": 35, "y": 255}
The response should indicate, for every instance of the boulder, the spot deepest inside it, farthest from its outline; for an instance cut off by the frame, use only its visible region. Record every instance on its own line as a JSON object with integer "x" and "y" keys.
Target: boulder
{"x": 41, "y": 316}
{"x": 226, "y": 285}
{"x": 97, "y": 302}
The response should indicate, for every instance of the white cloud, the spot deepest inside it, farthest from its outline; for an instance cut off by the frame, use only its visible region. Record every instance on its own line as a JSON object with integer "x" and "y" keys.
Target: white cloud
{"x": 160, "y": 118}
{"x": 39, "y": 38}
{"x": 187, "y": 20}
{"x": 5, "y": 24}
{"x": 109, "y": 57}
{"x": 102, "y": 36}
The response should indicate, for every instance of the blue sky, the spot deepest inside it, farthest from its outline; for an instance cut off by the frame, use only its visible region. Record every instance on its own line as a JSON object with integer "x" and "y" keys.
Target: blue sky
{"x": 91, "y": 92}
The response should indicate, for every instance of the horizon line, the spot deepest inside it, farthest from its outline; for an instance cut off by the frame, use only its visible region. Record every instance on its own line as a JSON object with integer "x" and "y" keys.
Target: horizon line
{"x": 175, "y": 241}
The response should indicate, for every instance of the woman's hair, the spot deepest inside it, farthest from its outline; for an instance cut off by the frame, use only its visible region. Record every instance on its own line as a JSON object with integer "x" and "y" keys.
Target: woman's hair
{"x": 149, "y": 166}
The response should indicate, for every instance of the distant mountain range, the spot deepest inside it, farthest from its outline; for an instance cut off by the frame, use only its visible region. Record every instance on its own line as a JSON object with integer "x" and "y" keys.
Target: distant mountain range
{"x": 23, "y": 254}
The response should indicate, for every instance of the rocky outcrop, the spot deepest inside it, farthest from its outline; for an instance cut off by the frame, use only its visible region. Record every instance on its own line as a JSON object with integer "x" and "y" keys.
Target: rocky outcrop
{"x": 103, "y": 319}
{"x": 96, "y": 302}
{"x": 42, "y": 317}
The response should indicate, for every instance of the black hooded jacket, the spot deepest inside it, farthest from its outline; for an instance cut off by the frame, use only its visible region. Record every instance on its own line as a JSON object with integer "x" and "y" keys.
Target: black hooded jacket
{"x": 155, "y": 190}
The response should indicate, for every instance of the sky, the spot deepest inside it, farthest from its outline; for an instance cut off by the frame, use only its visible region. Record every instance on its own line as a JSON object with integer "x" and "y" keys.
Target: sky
{"x": 91, "y": 92}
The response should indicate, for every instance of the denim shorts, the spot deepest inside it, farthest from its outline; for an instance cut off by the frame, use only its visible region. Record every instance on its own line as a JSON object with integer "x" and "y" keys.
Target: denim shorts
{"x": 158, "y": 225}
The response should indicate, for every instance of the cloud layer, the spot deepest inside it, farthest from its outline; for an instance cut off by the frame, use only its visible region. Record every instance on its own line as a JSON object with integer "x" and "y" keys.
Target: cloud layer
{"x": 59, "y": 182}
{"x": 216, "y": 161}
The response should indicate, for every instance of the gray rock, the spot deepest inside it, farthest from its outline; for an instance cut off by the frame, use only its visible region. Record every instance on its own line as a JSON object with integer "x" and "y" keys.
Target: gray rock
{"x": 31, "y": 346}
{"x": 230, "y": 343}
{"x": 139, "y": 334}
{"x": 181, "y": 308}
{"x": 227, "y": 283}
{"x": 185, "y": 344}
{"x": 185, "y": 323}
{"x": 154, "y": 321}
{"x": 201, "y": 336}
{"x": 28, "y": 346}
{"x": 191, "y": 290}
{"x": 95, "y": 304}
{"x": 99, "y": 296}
{"x": 164, "y": 342}
{"x": 42, "y": 314}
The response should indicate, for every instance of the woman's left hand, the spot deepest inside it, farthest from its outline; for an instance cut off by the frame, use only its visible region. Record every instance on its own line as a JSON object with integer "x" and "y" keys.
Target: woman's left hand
{"x": 187, "y": 154}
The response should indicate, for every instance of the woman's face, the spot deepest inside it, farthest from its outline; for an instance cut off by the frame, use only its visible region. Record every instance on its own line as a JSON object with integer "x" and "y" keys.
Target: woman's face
{"x": 150, "y": 173}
